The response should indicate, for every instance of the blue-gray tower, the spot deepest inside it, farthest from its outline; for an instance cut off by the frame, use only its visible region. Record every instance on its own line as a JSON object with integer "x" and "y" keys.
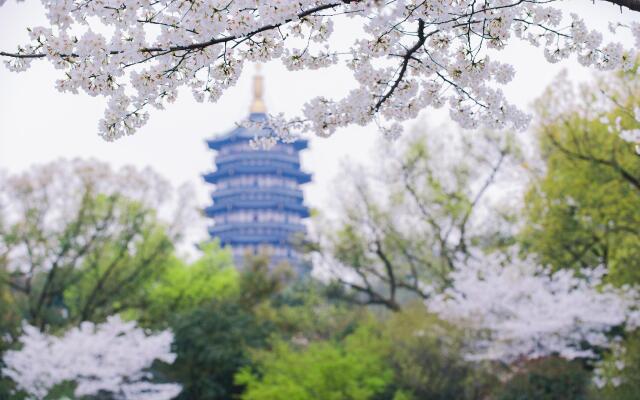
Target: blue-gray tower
{"x": 257, "y": 201}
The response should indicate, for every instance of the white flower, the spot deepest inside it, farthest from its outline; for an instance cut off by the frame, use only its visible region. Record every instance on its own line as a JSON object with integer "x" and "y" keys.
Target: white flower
{"x": 110, "y": 357}
{"x": 529, "y": 311}
{"x": 407, "y": 48}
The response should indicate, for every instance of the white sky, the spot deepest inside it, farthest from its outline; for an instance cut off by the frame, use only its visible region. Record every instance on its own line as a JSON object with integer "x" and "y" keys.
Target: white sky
{"x": 39, "y": 124}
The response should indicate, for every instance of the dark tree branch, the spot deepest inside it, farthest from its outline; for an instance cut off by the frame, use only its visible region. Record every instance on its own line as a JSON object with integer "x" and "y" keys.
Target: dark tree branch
{"x": 403, "y": 66}
{"x": 462, "y": 245}
{"x": 67, "y": 244}
{"x": 122, "y": 252}
{"x": 634, "y": 181}
{"x": 633, "y": 5}
{"x": 158, "y": 51}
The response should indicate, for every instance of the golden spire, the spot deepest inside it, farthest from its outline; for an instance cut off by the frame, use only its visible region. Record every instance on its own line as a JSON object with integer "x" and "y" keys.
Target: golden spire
{"x": 257, "y": 106}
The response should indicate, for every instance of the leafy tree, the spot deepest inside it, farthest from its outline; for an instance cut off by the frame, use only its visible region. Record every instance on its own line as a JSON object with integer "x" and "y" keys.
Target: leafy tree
{"x": 427, "y": 355}
{"x": 81, "y": 240}
{"x": 353, "y": 369}
{"x": 408, "y": 55}
{"x": 305, "y": 311}
{"x": 550, "y": 378}
{"x": 618, "y": 377}
{"x": 9, "y": 315}
{"x": 259, "y": 281}
{"x": 402, "y": 229}
{"x": 582, "y": 210}
{"x": 212, "y": 343}
{"x": 216, "y": 330}
{"x": 182, "y": 287}
{"x": 9, "y": 331}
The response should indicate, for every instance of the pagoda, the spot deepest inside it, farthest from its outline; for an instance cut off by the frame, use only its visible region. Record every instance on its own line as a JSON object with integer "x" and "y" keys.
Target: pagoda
{"x": 257, "y": 200}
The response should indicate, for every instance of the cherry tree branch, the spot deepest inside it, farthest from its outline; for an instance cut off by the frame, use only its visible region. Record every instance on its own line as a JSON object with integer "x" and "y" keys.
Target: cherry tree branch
{"x": 633, "y": 5}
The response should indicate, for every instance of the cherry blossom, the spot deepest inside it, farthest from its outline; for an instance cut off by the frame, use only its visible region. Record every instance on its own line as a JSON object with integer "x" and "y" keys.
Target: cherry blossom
{"x": 527, "y": 311}
{"x": 110, "y": 357}
{"x": 410, "y": 56}
{"x": 627, "y": 133}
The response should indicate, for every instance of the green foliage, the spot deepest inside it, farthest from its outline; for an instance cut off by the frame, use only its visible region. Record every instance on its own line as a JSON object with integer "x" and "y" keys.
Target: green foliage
{"x": 623, "y": 366}
{"x": 353, "y": 369}
{"x": 112, "y": 277}
{"x": 65, "y": 390}
{"x": 427, "y": 357}
{"x": 81, "y": 241}
{"x": 550, "y": 378}
{"x": 259, "y": 282}
{"x": 216, "y": 329}
{"x": 303, "y": 309}
{"x": 183, "y": 287}
{"x": 9, "y": 312}
{"x": 212, "y": 343}
{"x": 9, "y": 330}
{"x": 583, "y": 211}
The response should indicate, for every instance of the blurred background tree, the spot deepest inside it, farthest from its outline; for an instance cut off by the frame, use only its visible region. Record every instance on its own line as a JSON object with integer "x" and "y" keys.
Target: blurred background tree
{"x": 548, "y": 378}
{"x": 401, "y": 229}
{"x": 81, "y": 241}
{"x": 427, "y": 356}
{"x": 582, "y": 208}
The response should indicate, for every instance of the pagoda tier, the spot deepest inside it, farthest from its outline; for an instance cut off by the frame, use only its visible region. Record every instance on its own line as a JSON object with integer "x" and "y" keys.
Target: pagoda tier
{"x": 258, "y": 204}
{"x": 260, "y": 168}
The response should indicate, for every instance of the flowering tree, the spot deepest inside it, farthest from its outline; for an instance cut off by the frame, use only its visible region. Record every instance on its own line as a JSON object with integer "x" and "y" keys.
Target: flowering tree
{"x": 411, "y": 54}
{"x": 109, "y": 357}
{"x": 530, "y": 312}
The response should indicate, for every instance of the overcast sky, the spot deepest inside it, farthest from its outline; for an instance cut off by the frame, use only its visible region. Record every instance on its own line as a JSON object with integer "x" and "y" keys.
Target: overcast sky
{"x": 39, "y": 124}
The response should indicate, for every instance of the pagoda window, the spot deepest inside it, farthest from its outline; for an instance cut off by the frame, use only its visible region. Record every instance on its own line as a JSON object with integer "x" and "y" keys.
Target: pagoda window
{"x": 237, "y": 148}
{"x": 273, "y": 216}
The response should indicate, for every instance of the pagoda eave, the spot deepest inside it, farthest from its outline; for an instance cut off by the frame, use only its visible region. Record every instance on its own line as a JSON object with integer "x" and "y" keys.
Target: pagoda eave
{"x": 288, "y": 227}
{"x": 216, "y": 209}
{"x": 214, "y": 177}
{"x": 229, "y": 193}
{"x": 252, "y": 240}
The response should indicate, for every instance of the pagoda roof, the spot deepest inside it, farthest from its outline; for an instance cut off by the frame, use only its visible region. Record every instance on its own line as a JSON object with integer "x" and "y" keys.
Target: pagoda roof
{"x": 243, "y": 134}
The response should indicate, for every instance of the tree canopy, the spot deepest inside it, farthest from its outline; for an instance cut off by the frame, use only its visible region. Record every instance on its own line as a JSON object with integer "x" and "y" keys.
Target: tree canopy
{"x": 408, "y": 56}
{"x": 583, "y": 209}
{"x": 81, "y": 241}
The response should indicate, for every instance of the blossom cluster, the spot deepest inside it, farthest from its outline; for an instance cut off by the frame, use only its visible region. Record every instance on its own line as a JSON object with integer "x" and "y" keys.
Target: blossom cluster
{"x": 608, "y": 372}
{"x": 109, "y": 357}
{"x": 629, "y": 134}
{"x": 411, "y": 54}
{"x": 527, "y": 311}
